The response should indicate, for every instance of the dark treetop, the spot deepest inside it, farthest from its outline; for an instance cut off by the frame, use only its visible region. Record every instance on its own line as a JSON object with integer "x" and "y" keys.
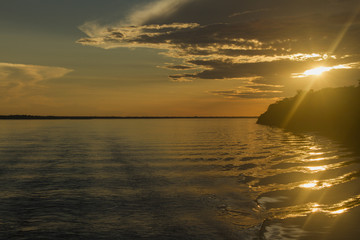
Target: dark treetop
{"x": 332, "y": 111}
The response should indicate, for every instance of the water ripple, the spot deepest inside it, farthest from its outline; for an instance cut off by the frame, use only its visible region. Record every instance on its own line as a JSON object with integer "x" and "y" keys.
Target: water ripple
{"x": 172, "y": 179}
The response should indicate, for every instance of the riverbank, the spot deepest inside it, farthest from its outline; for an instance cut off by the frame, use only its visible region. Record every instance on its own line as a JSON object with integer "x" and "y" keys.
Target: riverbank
{"x": 332, "y": 112}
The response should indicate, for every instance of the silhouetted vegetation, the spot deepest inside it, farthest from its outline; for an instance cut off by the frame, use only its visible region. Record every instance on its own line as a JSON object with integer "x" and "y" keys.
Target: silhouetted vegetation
{"x": 331, "y": 111}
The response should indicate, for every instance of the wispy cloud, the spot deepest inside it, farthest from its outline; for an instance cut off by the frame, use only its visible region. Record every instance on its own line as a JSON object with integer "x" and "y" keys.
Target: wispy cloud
{"x": 251, "y": 91}
{"x": 157, "y": 9}
{"x": 15, "y": 77}
{"x": 249, "y": 12}
{"x": 151, "y": 36}
{"x": 30, "y": 73}
{"x": 177, "y": 67}
{"x": 139, "y": 16}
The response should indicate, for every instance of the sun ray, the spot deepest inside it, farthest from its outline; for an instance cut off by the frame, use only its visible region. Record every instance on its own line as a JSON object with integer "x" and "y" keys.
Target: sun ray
{"x": 344, "y": 31}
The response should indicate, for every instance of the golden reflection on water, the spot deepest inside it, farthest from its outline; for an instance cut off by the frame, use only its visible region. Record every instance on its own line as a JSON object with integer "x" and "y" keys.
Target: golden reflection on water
{"x": 312, "y": 208}
{"x": 224, "y": 176}
{"x": 316, "y": 153}
{"x": 317, "y": 168}
{"x": 316, "y": 159}
{"x": 317, "y": 184}
{"x": 311, "y": 185}
{"x": 314, "y": 148}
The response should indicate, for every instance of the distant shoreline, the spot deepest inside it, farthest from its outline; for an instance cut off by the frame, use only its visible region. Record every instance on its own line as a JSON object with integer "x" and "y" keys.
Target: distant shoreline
{"x": 36, "y": 117}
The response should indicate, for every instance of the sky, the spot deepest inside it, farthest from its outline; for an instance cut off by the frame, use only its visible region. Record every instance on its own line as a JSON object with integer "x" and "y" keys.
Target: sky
{"x": 172, "y": 57}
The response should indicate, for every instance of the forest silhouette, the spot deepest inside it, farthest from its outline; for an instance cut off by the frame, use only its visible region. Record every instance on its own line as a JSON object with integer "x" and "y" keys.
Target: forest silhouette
{"x": 334, "y": 112}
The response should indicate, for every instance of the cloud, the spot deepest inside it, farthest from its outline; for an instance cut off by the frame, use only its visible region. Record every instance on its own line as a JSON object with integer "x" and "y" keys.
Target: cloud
{"x": 252, "y": 91}
{"x": 269, "y": 40}
{"x": 15, "y": 77}
{"x": 249, "y": 12}
{"x": 319, "y": 70}
{"x": 30, "y": 73}
{"x": 178, "y": 67}
{"x": 153, "y": 10}
{"x": 139, "y": 16}
{"x": 151, "y": 36}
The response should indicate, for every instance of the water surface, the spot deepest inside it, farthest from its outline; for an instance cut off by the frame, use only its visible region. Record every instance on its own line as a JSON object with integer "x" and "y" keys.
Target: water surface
{"x": 173, "y": 179}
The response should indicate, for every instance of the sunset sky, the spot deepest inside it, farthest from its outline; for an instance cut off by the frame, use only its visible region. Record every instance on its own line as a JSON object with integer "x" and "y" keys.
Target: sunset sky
{"x": 172, "y": 57}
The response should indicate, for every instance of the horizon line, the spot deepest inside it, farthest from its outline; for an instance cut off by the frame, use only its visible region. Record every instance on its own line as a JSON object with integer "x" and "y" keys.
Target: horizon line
{"x": 25, "y": 117}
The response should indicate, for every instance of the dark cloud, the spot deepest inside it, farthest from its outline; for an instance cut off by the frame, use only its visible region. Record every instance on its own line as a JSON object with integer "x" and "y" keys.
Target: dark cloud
{"x": 178, "y": 67}
{"x": 218, "y": 69}
{"x": 116, "y": 34}
{"x": 265, "y": 87}
{"x": 231, "y": 39}
{"x": 247, "y": 94}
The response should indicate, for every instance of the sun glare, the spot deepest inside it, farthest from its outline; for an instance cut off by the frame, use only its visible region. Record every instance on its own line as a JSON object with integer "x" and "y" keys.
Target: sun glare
{"x": 311, "y": 184}
{"x": 318, "y": 71}
{"x": 340, "y": 211}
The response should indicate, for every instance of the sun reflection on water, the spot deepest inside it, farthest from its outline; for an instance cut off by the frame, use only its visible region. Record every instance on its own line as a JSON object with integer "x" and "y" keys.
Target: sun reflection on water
{"x": 314, "y": 208}
{"x": 316, "y": 159}
{"x": 315, "y": 185}
{"x": 313, "y": 182}
{"x": 317, "y": 168}
{"x": 315, "y": 153}
{"x": 314, "y": 148}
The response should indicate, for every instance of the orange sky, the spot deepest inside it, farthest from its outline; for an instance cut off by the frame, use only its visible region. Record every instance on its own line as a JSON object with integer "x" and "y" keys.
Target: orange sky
{"x": 171, "y": 57}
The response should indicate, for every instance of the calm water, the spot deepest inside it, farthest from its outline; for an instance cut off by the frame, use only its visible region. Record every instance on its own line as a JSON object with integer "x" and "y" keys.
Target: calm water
{"x": 173, "y": 179}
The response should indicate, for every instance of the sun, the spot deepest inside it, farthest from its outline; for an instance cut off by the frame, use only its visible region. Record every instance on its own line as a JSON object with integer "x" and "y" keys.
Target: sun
{"x": 316, "y": 71}
{"x": 319, "y": 70}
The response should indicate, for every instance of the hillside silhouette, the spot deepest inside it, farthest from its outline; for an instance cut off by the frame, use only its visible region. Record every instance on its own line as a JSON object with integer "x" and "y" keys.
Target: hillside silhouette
{"x": 331, "y": 111}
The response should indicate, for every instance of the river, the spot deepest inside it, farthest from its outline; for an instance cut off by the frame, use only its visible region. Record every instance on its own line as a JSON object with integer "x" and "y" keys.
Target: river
{"x": 174, "y": 179}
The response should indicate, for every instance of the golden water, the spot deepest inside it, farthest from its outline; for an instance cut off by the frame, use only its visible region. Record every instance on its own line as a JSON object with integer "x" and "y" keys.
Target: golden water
{"x": 173, "y": 179}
